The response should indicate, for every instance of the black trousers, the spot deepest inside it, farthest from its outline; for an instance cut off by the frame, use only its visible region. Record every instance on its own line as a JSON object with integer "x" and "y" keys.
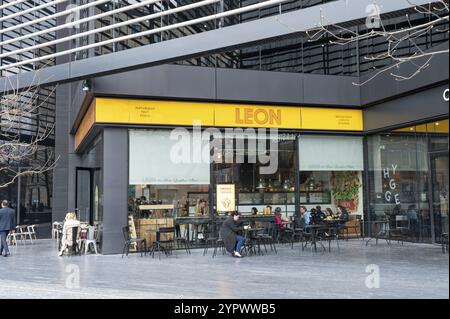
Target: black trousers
{"x": 4, "y": 243}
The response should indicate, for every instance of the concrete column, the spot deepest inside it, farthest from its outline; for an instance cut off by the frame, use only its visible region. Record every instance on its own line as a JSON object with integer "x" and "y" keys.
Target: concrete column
{"x": 115, "y": 185}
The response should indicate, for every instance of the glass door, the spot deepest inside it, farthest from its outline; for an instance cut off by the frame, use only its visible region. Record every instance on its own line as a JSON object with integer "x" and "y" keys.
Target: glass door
{"x": 83, "y": 196}
{"x": 440, "y": 175}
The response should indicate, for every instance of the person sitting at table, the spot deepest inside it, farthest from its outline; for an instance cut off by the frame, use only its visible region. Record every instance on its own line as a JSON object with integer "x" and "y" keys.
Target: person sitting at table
{"x": 329, "y": 213}
{"x": 313, "y": 220}
{"x": 253, "y": 223}
{"x": 278, "y": 219}
{"x": 283, "y": 231}
{"x": 201, "y": 209}
{"x": 320, "y": 215}
{"x": 342, "y": 217}
{"x": 67, "y": 235}
{"x": 230, "y": 233}
{"x": 306, "y": 215}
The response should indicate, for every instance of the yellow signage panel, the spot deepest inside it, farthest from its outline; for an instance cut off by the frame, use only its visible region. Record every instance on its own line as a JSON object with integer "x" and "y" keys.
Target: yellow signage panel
{"x": 331, "y": 119}
{"x": 226, "y": 198}
{"x": 235, "y": 115}
{"x": 154, "y": 112}
{"x": 85, "y": 125}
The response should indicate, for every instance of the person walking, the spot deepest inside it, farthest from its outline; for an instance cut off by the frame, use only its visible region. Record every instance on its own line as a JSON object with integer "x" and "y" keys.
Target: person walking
{"x": 7, "y": 223}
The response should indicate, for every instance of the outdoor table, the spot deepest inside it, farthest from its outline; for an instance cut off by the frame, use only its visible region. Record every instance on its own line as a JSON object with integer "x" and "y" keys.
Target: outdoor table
{"x": 383, "y": 232}
{"x": 158, "y": 237}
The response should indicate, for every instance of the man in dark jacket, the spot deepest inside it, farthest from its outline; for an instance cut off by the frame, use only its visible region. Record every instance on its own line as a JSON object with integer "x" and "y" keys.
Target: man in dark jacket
{"x": 7, "y": 223}
{"x": 232, "y": 241}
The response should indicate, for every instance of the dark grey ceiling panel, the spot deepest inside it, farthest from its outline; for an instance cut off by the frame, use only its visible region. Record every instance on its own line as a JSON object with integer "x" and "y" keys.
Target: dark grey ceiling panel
{"x": 259, "y": 86}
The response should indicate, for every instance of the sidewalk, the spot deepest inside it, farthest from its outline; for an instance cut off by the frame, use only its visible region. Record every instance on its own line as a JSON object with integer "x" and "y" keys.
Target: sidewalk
{"x": 409, "y": 271}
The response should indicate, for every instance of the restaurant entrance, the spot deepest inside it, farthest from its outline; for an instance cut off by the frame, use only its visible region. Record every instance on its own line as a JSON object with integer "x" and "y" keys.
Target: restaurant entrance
{"x": 88, "y": 185}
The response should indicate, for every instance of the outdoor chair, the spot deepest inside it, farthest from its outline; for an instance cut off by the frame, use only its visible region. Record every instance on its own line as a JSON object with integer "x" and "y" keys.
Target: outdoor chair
{"x": 165, "y": 239}
{"x": 56, "y": 230}
{"x": 72, "y": 241}
{"x": 267, "y": 237}
{"x": 444, "y": 241}
{"x": 141, "y": 243}
{"x": 401, "y": 230}
{"x": 24, "y": 232}
{"x": 32, "y": 231}
{"x": 14, "y": 237}
{"x": 89, "y": 240}
{"x": 210, "y": 238}
{"x": 183, "y": 241}
{"x": 330, "y": 233}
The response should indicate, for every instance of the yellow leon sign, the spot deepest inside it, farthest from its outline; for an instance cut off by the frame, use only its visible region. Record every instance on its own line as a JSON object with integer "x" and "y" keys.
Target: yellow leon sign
{"x": 153, "y": 112}
{"x": 226, "y": 198}
{"x": 257, "y": 116}
{"x": 331, "y": 119}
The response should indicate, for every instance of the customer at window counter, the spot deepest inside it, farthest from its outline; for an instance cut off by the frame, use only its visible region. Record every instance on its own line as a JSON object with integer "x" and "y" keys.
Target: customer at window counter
{"x": 254, "y": 211}
{"x": 230, "y": 230}
{"x": 201, "y": 209}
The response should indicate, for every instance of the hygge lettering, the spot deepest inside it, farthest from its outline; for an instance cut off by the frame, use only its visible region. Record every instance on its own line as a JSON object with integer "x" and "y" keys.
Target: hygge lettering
{"x": 392, "y": 185}
{"x": 213, "y": 146}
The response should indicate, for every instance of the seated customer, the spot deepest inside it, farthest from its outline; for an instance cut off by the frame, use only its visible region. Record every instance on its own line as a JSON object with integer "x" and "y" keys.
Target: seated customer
{"x": 306, "y": 216}
{"x": 278, "y": 219}
{"x": 343, "y": 217}
{"x": 329, "y": 213}
{"x": 320, "y": 215}
{"x": 67, "y": 235}
{"x": 232, "y": 241}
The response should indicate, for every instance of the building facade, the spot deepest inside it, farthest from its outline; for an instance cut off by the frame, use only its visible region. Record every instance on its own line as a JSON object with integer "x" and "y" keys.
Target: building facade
{"x": 275, "y": 114}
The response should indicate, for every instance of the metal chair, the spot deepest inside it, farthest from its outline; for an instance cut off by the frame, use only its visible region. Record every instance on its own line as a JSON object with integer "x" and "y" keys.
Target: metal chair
{"x": 401, "y": 229}
{"x": 13, "y": 235}
{"x": 444, "y": 241}
{"x": 210, "y": 238}
{"x": 24, "y": 232}
{"x": 32, "y": 230}
{"x": 141, "y": 243}
{"x": 164, "y": 244}
{"x": 56, "y": 230}
{"x": 90, "y": 240}
{"x": 74, "y": 249}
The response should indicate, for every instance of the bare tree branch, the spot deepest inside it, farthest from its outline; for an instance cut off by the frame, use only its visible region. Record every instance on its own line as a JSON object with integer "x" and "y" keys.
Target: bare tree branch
{"x": 436, "y": 12}
{"x": 24, "y": 131}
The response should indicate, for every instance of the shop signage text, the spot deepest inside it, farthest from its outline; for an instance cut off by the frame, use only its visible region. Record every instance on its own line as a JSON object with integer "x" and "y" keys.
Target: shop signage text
{"x": 258, "y": 116}
{"x": 445, "y": 95}
{"x": 389, "y": 194}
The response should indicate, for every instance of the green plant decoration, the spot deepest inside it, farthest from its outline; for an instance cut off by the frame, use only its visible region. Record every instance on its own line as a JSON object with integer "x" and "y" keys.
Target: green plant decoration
{"x": 345, "y": 186}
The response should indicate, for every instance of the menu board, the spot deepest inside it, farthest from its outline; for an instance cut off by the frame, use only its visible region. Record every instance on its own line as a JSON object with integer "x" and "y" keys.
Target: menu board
{"x": 226, "y": 198}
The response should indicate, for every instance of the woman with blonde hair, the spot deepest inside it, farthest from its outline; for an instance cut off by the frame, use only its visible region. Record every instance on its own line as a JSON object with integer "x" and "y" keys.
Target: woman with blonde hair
{"x": 67, "y": 236}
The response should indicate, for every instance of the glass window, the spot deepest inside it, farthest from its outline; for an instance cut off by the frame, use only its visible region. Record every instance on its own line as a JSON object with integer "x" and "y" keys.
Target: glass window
{"x": 255, "y": 187}
{"x": 403, "y": 165}
{"x": 331, "y": 172}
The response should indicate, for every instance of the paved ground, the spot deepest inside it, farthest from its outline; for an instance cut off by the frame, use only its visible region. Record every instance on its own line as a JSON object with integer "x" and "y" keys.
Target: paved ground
{"x": 409, "y": 271}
